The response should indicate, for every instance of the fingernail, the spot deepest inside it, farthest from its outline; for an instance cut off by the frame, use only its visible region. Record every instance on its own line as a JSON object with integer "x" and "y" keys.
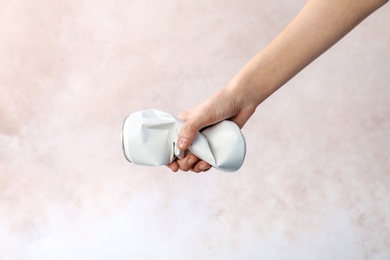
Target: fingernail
{"x": 204, "y": 167}
{"x": 183, "y": 143}
{"x": 191, "y": 161}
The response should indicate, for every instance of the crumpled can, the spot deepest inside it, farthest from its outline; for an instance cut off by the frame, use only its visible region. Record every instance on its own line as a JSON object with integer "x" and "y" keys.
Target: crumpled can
{"x": 149, "y": 137}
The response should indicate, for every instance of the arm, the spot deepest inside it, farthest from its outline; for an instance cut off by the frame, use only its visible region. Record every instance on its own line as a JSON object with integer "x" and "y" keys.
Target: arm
{"x": 318, "y": 26}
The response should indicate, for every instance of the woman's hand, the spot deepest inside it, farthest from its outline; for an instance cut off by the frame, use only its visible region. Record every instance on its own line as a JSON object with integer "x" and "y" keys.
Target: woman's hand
{"x": 225, "y": 104}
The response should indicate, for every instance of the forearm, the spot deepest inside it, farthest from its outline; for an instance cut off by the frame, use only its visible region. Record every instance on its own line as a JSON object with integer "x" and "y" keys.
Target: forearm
{"x": 319, "y": 25}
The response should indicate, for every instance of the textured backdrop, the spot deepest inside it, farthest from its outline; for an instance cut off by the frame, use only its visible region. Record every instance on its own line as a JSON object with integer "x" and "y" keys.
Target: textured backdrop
{"x": 316, "y": 180}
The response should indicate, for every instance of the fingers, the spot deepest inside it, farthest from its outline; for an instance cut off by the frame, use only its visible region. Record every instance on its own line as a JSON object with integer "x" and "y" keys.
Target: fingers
{"x": 173, "y": 166}
{"x": 201, "y": 166}
{"x": 187, "y": 135}
{"x": 189, "y": 163}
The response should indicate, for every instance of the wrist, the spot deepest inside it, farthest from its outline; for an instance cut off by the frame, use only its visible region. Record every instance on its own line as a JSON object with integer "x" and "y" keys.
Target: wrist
{"x": 247, "y": 89}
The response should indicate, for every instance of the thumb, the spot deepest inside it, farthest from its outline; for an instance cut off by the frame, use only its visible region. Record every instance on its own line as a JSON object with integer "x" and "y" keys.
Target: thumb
{"x": 187, "y": 135}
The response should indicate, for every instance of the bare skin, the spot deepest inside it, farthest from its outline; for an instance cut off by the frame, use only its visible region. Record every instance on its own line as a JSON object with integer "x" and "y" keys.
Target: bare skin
{"x": 317, "y": 27}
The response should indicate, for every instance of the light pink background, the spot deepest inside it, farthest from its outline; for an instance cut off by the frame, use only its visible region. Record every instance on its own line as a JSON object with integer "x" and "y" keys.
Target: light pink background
{"x": 316, "y": 180}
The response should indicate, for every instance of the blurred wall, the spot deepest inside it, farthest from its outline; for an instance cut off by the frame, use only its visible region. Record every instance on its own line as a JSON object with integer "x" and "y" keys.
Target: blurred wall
{"x": 316, "y": 180}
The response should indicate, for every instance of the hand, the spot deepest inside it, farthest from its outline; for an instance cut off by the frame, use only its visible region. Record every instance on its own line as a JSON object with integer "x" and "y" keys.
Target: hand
{"x": 225, "y": 104}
